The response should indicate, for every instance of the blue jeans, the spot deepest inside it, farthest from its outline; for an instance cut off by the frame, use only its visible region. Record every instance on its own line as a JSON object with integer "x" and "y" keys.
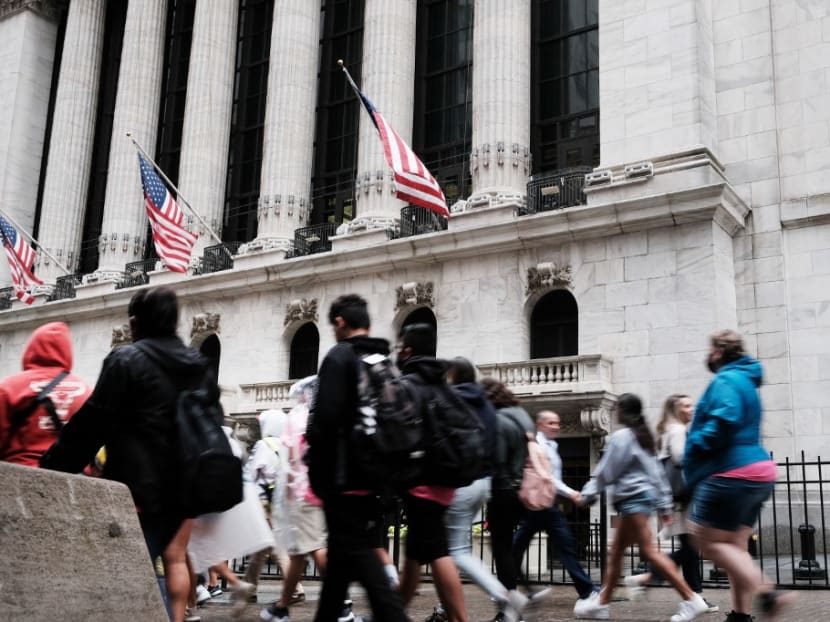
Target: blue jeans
{"x": 728, "y": 503}
{"x": 459, "y": 518}
{"x": 554, "y": 523}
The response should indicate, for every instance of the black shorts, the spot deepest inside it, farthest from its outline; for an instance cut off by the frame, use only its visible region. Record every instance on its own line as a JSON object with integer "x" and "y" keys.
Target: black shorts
{"x": 426, "y": 537}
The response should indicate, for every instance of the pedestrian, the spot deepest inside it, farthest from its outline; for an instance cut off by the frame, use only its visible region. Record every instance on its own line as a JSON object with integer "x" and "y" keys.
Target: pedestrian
{"x": 354, "y": 515}
{"x": 426, "y": 506}
{"x": 731, "y": 474}
{"x": 671, "y": 445}
{"x": 132, "y": 411}
{"x": 27, "y": 428}
{"x": 629, "y": 466}
{"x": 552, "y": 520}
{"x": 514, "y": 428}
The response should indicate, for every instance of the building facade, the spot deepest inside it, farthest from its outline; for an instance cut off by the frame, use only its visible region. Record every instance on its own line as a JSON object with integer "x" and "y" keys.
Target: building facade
{"x": 626, "y": 176}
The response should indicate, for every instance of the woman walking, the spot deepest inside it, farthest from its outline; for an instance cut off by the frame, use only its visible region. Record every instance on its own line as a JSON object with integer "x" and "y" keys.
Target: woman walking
{"x": 629, "y": 466}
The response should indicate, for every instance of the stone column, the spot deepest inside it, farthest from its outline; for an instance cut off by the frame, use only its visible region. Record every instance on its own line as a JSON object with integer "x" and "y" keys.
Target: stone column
{"x": 70, "y": 149}
{"x": 388, "y": 79}
{"x": 124, "y": 227}
{"x": 28, "y": 32}
{"x": 500, "y": 159}
{"x": 657, "y": 79}
{"x": 207, "y": 118}
{"x": 284, "y": 200}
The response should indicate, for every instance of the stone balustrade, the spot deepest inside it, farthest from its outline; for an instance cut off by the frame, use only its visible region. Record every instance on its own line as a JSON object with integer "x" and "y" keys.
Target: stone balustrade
{"x": 265, "y": 395}
{"x": 578, "y": 374}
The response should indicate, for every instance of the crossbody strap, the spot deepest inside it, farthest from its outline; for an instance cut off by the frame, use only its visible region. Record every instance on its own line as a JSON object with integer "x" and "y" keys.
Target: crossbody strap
{"x": 19, "y": 419}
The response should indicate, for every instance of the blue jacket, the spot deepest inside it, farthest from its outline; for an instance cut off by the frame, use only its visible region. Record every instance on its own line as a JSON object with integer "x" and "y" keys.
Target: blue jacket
{"x": 726, "y": 430}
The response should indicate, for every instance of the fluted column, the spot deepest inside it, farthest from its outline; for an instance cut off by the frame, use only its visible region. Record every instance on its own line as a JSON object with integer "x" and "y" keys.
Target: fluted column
{"x": 500, "y": 159}
{"x": 284, "y": 201}
{"x": 207, "y": 118}
{"x": 70, "y": 147}
{"x": 388, "y": 79}
{"x": 123, "y": 231}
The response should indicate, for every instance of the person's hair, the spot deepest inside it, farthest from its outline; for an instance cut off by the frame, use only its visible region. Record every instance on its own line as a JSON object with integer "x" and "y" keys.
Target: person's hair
{"x": 155, "y": 312}
{"x": 352, "y": 308}
{"x": 420, "y": 338}
{"x": 498, "y": 393}
{"x": 630, "y": 412}
{"x": 460, "y": 371}
{"x": 669, "y": 415}
{"x": 729, "y": 343}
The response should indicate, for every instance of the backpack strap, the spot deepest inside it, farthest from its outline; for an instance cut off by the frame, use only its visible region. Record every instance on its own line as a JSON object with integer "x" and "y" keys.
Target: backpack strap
{"x": 19, "y": 419}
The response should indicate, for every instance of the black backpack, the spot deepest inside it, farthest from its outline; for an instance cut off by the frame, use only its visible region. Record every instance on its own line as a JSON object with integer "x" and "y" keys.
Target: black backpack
{"x": 209, "y": 476}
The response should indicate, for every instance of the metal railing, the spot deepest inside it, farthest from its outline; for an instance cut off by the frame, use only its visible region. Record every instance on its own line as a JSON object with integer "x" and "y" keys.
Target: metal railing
{"x": 215, "y": 259}
{"x": 416, "y": 220}
{"x": 556, "y": 190}
{"x": 65, "y": 286}
{"x": 314, "y": 239}
{"x": 6, "y": 295}
{"x": 789, "y": 540}
{"x": 136, "y": 273}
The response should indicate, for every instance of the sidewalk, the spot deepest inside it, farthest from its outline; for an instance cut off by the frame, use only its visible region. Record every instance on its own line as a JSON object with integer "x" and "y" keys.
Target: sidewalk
{"x": 658, "y": 605}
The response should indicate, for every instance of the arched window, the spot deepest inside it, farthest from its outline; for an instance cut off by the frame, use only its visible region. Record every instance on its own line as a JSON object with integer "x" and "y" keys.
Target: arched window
{"x": 422, "y": 315}
{"x": 211, "y": 349}
{"x": 554, "y": 326}
{"x": 304, "y": 348}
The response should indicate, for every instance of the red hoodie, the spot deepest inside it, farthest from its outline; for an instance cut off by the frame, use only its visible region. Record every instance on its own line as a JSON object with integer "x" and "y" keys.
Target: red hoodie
{"x": 48, "y": 353}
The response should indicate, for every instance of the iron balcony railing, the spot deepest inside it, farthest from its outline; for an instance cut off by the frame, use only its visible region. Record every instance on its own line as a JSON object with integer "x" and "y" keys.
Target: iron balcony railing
{"x": 556, "y": 190}
{"x": 215, "y": 259}
{"x": 6, "y": 295}
{"x": 65, "y": 286}
{"x": 314, "y": 239}
{"x": 136, "y": 273}
{"x": 416, "y": 220}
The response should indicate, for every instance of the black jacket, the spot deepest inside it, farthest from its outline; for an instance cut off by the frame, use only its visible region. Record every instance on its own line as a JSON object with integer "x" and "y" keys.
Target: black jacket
{"x": 131, "y": 412}
{"x": 334, "y": 411}
{"x": 473, "y": 394}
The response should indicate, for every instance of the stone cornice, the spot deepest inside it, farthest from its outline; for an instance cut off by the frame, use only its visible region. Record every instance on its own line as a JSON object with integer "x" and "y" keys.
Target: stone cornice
{"x": 50, "y": 9}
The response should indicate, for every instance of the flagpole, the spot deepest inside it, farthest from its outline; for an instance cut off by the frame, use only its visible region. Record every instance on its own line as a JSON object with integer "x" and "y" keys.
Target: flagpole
{"x": 179, "y": 196}
{"x": 40, "y": 248}
{"x": 348, "y": 75}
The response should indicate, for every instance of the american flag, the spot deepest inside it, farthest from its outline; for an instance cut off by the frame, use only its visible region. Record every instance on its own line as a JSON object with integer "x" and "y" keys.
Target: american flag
{"x": 21, "y": 258}
{"x": 173, "y": 242}
{"x": 415, "y": 183}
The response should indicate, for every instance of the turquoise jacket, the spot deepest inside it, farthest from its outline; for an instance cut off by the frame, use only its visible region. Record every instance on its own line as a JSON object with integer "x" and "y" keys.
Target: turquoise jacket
{"x": 726, "y": 430}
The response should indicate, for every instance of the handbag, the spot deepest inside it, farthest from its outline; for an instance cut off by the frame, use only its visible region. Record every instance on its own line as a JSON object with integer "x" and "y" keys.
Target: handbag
{"x": 537, "y": 491}
{"x": 674, "y": 476}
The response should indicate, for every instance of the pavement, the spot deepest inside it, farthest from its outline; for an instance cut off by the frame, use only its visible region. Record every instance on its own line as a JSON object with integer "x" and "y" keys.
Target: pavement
{"x": 658, "y": 605}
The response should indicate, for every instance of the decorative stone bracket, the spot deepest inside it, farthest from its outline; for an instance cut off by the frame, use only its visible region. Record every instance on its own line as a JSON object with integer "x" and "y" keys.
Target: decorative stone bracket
{"x": 301, "y": 310}
{"x": 121, "y": 335}
{"x": 415, "y": 293}
{"x": 205, "y": 324}
{"x": 596, "y": 420}
{"x": 547, "y": 274}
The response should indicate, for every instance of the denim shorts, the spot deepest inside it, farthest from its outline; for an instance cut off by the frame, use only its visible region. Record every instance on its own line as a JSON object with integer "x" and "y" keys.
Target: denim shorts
{"x": 640, "y": 503}
{"x": 728, "y": 503}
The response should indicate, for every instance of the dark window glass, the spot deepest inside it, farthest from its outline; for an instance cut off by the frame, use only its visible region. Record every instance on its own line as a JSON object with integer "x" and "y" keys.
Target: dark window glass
{"x": 211, "y": 349}
{"x": 304, "y": 351}
{"x": 253, "y": 47}
{"x": 110, "y": 65}
{"x": 443, "y": 92}
{"x": 565, "y": 84}
{"x": 335, "y": 143}
{"x": 554, "y": 326}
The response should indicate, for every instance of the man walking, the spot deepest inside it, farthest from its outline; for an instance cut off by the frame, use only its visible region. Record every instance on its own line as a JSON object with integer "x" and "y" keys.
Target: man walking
{"x": 551, "y": 520}
{"x": 354, "y": 516}
{"x": 132, "y": 412}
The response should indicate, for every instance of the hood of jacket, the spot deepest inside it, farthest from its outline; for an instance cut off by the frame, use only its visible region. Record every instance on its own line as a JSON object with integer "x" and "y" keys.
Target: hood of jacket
{"x": 49, "y": 346}
{"x": 272, "y": 423}
{"x": 364, "y": 344}
{"x": 746, "y": 366}
{"x": 174, "y": 357}
{"x": 430, "y": 369}
{"x": 472, "y": 393}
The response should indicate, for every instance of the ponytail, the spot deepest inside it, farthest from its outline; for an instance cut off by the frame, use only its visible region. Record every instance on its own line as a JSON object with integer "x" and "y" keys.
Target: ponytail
{"x": 630, "y": 412}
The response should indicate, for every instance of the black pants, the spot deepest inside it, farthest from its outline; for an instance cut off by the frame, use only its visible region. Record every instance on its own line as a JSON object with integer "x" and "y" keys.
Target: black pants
{"x": 354, "y": 523}
{"x": 503, "y": 514}
{"x": 688, "y": 559}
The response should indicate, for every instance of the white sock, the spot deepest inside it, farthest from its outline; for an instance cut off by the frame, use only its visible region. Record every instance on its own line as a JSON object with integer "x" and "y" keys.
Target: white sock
{"x": 392, "y": 573}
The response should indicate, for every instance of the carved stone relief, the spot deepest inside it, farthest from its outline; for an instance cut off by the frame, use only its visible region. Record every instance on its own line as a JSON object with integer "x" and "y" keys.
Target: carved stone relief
{"x": 205, "y": 323}
{"x": 121, "y": 336}
{"x": 301, "y": 310}
{"x": 415, "y": 293}
{"x": 545, "y": 275}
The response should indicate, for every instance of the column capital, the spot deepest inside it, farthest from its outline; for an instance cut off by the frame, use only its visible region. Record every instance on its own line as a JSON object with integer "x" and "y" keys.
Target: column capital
{"x": 50, "y": 9}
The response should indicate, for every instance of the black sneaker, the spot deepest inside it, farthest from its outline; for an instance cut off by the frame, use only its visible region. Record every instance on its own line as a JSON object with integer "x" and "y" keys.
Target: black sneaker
{"x": 773, "y": 603}
{"x": 438, "y": 615}
{"x": 272, "y": 613}
{"x": 214, "y": 590}
{"x": 734, "y": 616}
{"x": 346, "y": 614}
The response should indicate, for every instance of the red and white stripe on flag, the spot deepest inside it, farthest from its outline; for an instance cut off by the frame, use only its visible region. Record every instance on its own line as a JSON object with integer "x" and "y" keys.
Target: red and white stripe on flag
{"x": 173, "y": 242}
{"x": 21, "y": 258}
{"x": 414, "y": 181}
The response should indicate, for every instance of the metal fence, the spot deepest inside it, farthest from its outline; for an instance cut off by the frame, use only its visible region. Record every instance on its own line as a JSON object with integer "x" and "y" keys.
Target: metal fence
{"x": 65, "y": 286}
{"x": 136, "y": 273}
{"x": 6, "y": 295}
{"x": 314, "y": 239}
{"x": 555, "y": 190}
{"x": 789, "y": 542}
{"x": 416, "y": 220}
{"x": 215, "y": 258}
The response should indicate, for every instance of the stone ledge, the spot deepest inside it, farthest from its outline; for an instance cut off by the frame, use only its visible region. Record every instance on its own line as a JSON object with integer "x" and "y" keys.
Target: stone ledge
{"x": 806, "y": 212}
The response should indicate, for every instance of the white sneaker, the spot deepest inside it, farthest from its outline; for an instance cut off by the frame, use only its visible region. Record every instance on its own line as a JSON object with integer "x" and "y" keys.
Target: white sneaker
{"x": 202, "y": 595}
{"x": 690, "y": 609}
{"x": 635, "y": 590}
{"x": 516, "y": 602}
{"x": 539, "y": 595}
{"x": 239, "y": 596}
{"x": 590, "y": 609}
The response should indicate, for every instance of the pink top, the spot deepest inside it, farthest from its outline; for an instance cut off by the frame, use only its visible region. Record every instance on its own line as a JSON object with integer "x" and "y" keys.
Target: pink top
{"x": 763, "y": 471}
{"x": 443, "y": 495}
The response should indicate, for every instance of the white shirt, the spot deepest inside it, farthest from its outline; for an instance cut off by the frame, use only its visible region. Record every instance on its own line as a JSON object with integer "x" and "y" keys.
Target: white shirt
{"x": 555, "y": 464}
